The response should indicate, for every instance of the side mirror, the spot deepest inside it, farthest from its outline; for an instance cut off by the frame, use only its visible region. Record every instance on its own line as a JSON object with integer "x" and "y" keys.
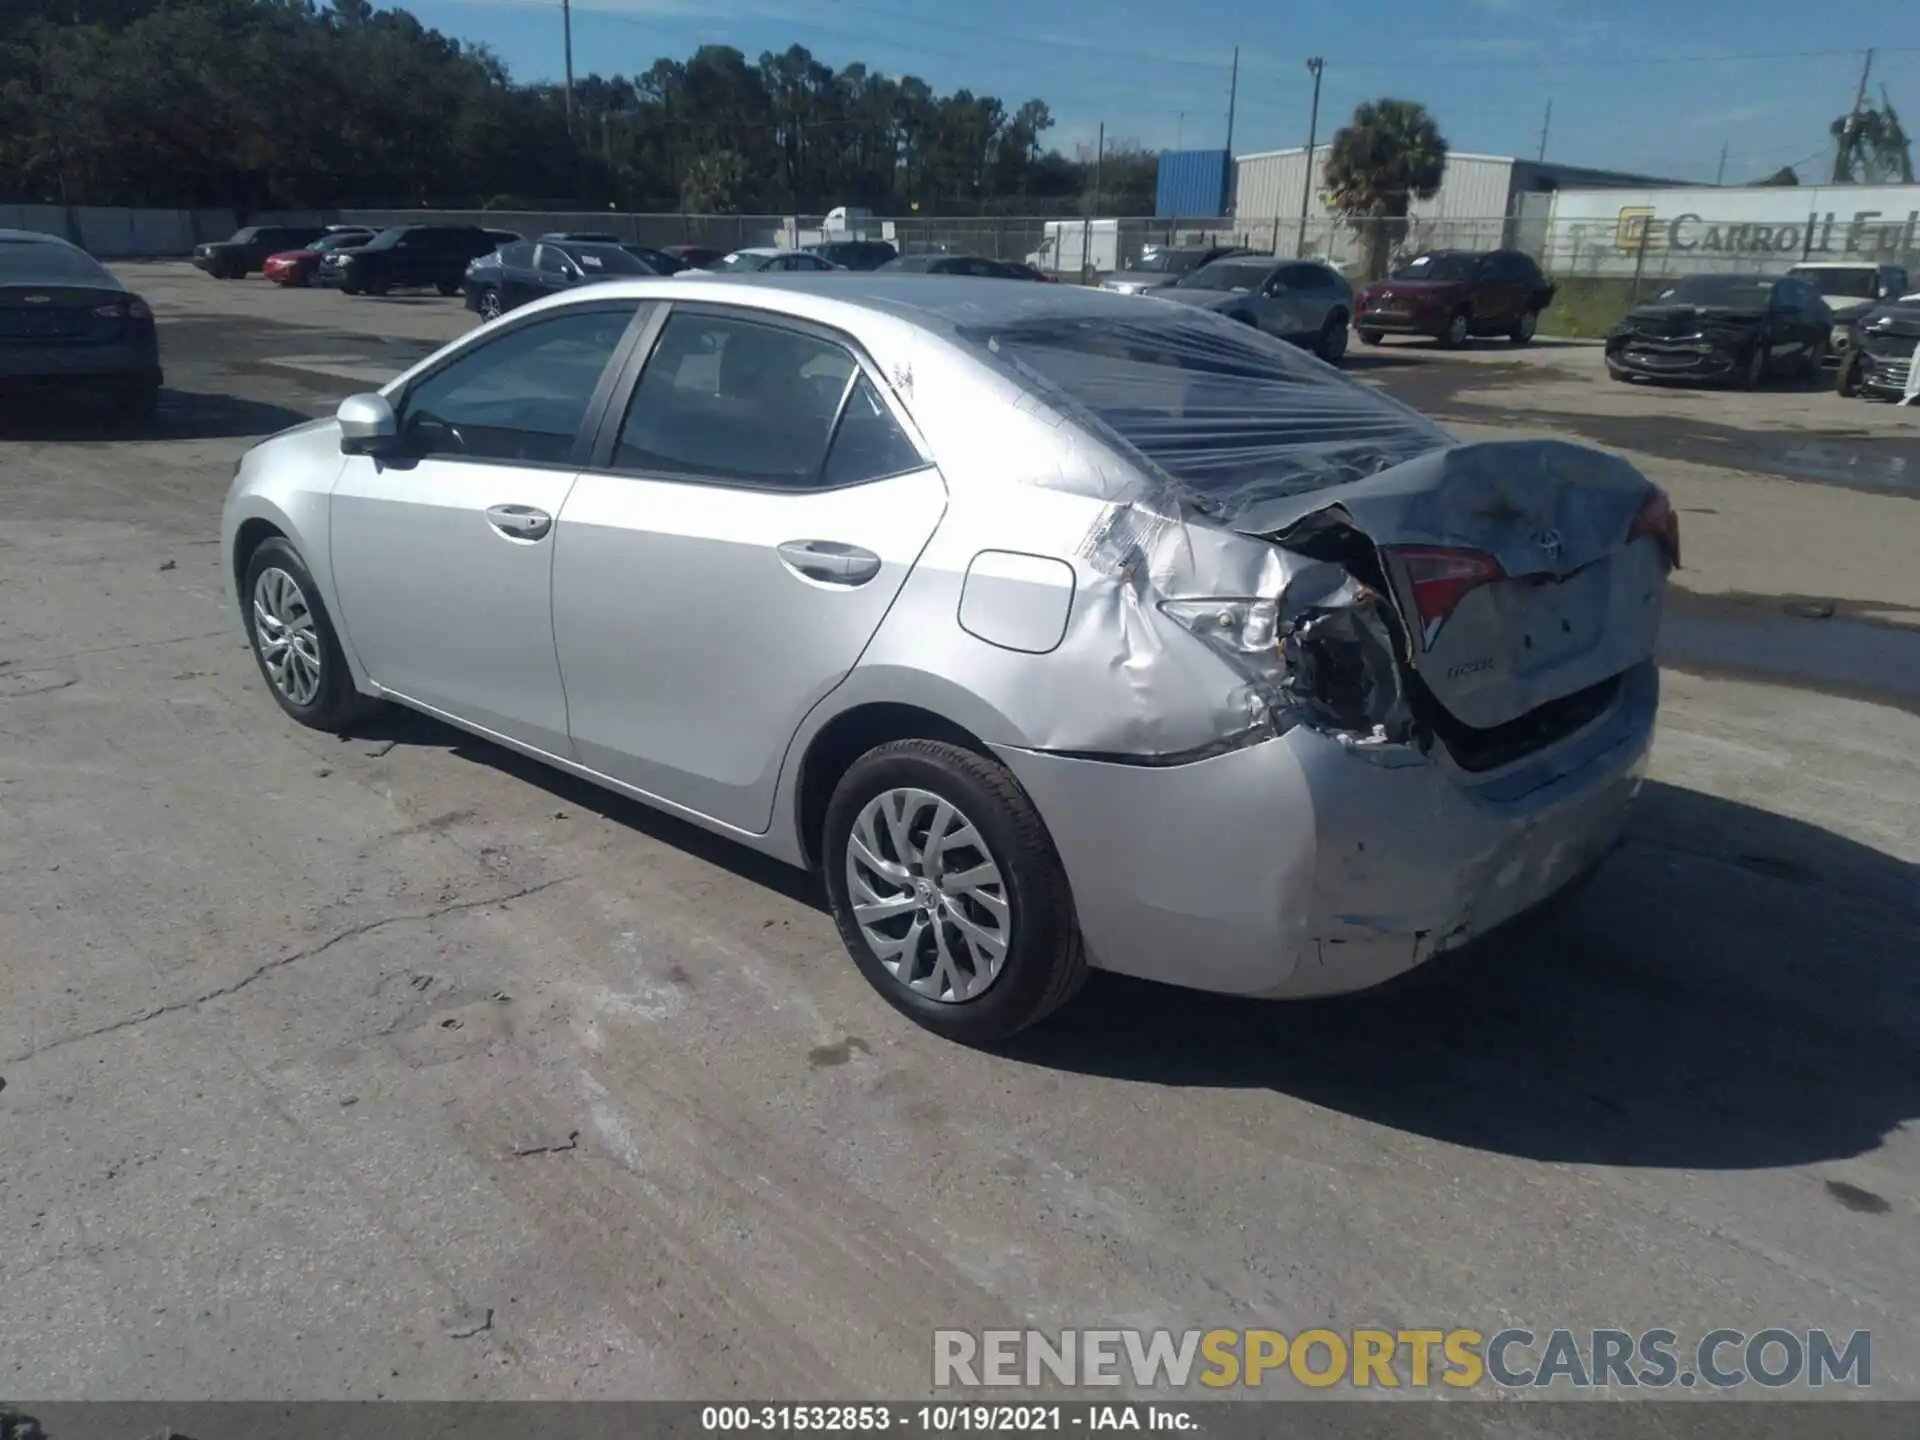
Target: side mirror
{"x": 368, "y": 425}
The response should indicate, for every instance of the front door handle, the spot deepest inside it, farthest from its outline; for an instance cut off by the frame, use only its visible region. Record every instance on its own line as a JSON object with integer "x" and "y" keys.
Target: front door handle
{"x": 519, "y": 522}
{"x": 829, "y": 561}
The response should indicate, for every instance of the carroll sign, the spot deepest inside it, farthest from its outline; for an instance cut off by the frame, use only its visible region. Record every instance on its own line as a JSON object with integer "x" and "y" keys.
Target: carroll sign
{"x": 1866, "y": 233}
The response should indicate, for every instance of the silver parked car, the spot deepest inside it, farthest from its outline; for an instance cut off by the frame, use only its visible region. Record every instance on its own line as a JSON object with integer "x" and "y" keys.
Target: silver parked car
{"x": 1303, "y": 301}
{"x": 1054, "y": 628}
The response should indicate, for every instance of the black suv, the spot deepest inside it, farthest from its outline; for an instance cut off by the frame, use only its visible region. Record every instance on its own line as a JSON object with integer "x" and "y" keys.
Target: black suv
{"x": 409, "y": 257}
{"x": 246, "y": 251}
{"x": 855, "y": 254}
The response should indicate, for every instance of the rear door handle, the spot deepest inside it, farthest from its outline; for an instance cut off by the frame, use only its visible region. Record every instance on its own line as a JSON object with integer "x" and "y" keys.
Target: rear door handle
{"x": 829, "y": 561}
{"x": 519, "y": 522}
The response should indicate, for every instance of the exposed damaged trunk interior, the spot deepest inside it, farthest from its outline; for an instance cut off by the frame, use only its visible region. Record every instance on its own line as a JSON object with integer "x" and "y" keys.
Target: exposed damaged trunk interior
{"x": 1492, "y": 649}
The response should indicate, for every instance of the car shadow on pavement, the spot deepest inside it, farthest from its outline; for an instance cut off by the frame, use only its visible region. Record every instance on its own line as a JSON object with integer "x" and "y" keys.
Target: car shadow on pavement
{"x": 1735, "y": 990}
{"x": 409, "y": 727}
{"x": 183, "y": 415}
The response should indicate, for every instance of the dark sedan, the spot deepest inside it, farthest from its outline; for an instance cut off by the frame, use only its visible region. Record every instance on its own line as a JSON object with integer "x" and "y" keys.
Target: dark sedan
{"x": 409, "y": 257}
{"x": 66, "y": 323}
{"x": 695, "y": 257}
{"x": 1738, "y": 328}
{"x": 1885, "y": 345}
{"x": 515, "y": 274}
{"x": 247, "y": 249}
{"x": 945, "y": 264}
{"x": 854, "y": 254}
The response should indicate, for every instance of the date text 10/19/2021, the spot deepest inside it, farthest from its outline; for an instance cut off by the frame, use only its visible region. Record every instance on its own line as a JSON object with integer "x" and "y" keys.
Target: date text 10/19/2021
{"x": 945, "y": 1419}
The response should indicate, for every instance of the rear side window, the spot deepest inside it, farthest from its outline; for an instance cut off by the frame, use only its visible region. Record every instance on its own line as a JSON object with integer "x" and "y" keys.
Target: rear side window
{"x": 1233, "y": 416}
{"x": 739, "y": 402}
{"x": 521, "y": 397}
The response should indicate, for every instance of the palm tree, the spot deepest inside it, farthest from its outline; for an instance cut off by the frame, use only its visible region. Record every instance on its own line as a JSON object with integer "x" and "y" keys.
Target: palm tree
{"x": 1390, "y": 153}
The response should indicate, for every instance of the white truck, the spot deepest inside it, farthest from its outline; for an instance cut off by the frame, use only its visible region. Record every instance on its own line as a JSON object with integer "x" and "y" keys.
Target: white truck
{"x": 1070, "y": 247}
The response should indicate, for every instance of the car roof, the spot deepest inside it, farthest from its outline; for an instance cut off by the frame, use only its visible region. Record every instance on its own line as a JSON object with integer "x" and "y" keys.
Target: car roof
{"x": 755, "y": 250}
{"x": 17, "y": 237}
{"x": 940, "y": 304}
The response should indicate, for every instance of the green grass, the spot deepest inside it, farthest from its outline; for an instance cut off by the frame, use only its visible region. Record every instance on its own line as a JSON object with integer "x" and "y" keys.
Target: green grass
{"x": 1586, "y": 307}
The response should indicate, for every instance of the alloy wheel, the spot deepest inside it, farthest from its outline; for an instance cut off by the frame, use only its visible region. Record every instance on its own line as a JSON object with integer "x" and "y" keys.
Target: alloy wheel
{"x": 284, "y": 631}
{"x": 927, "y": 895}
{"x": 1457, "y": 330}
{"x": 489, "y": 304}
{"x": 1529, "y": 323}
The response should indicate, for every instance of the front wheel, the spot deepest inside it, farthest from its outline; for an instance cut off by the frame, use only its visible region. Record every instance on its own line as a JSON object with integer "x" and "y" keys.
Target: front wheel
{"x": 1523, "y": 332}
{"x": 947, "y": 891}
{"x": 1848, "y": 383}
{"x": 1754, "y": 370}
{"x": 489, "y": 303}
{"x": 376, "y": 287}
{"x": 294, "y": 642}
{"x": 1332, "y": 344}
{"x": 1455, "y": 335}
{"x": 1371, "y": 337}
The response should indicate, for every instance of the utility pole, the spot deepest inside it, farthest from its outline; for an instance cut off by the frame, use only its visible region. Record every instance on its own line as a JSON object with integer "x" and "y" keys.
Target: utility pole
{"x": 1086, "y": 225}
{"x": 1233, "y": 100}
{"x": 1180, "y": 130}
{"x": 1316, "y": 65}
{"x": 1545, "y": 126}
{"x": 1843, "y": 150}
{"x": 566, "y": 30}
{"x": 1721, "y": 174}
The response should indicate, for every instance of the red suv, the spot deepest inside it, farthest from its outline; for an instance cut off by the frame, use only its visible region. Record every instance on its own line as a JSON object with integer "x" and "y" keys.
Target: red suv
{"x": 1448, "y": 295}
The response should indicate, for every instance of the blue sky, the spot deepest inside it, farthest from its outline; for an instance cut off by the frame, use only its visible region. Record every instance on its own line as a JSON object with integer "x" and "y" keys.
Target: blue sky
{"x": 1652, "y": 86}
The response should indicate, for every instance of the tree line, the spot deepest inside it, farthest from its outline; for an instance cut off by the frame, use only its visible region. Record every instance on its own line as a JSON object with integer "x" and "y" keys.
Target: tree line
{"x": 298, "y": 104}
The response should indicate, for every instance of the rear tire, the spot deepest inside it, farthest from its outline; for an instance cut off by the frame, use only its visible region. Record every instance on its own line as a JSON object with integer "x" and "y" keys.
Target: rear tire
{"x": 1371, "y": 337}
{"x": 1523, "y": 333}
{"x": 1027, "y": 902}
{"x": 279, "y": 611}
{"x": 376, "y": 287}
{"x": 488, "y": 303}
{"x": 1455, "y": 335}
{"x": 1848, "y": 382}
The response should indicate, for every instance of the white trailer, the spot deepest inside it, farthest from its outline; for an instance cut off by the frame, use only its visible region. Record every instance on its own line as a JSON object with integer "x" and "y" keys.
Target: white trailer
{"x": 1069, "y": 247}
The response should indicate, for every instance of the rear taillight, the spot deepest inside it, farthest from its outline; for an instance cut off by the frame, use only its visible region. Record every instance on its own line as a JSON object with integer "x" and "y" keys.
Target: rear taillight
{"x": 1442, "y": 578}
{"x": 123, "y": 310}
{"x": 1658, "y": 521}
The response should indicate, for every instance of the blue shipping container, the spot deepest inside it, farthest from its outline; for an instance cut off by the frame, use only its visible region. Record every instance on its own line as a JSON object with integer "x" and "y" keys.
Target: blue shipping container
{"x": 1192, "y": 183}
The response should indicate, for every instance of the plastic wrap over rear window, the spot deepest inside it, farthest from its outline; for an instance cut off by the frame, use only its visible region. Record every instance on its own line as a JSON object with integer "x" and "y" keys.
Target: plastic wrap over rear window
{"x": 1232, "y": 416}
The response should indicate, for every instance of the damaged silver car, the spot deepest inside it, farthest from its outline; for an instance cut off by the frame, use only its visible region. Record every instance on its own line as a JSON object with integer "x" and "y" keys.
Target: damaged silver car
{"x": 1055, "y": 629}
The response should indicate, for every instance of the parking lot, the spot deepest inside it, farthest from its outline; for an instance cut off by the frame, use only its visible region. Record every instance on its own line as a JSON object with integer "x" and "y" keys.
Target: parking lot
{"x": 396, "y": 1066}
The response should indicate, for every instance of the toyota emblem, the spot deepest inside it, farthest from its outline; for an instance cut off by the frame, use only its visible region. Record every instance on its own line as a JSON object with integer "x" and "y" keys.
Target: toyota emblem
{"x": 1548, "y": 540}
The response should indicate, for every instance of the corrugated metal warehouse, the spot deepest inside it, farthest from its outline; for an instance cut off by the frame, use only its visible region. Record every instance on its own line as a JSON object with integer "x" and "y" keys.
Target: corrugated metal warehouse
{"x": 1485, "y": 201}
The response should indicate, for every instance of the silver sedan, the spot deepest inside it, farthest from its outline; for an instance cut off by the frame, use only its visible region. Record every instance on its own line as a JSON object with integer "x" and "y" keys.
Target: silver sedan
{"x": 1054, "y": 629}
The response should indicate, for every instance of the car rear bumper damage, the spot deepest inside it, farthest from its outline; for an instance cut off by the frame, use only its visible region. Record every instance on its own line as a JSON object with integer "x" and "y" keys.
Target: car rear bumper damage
{"x": 1307, "y": 865}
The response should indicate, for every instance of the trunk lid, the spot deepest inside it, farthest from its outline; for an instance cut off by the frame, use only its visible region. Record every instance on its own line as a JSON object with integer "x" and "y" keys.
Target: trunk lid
{"x": 1514, "y": 567}
{"x": 62, "y": 314}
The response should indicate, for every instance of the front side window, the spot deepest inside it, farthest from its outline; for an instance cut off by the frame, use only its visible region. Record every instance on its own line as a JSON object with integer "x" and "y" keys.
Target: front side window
{"x": 520, "y": 397}
{"x": 551, "y": 261}
{"x": 740, "y": 402}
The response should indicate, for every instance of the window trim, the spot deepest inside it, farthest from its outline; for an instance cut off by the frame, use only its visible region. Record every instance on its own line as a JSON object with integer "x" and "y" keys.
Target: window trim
{"x": 606, "y": 436}
{"x": 591, "y": 421}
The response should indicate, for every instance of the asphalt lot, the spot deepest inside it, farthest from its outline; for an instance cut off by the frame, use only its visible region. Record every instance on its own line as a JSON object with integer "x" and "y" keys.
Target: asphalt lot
{"x": 395, "y": 1066}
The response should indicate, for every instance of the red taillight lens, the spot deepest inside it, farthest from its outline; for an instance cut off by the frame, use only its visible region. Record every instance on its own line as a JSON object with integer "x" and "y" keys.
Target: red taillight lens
{"x": 1658, "y": 521}
{"x": 1442, "y": 578}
